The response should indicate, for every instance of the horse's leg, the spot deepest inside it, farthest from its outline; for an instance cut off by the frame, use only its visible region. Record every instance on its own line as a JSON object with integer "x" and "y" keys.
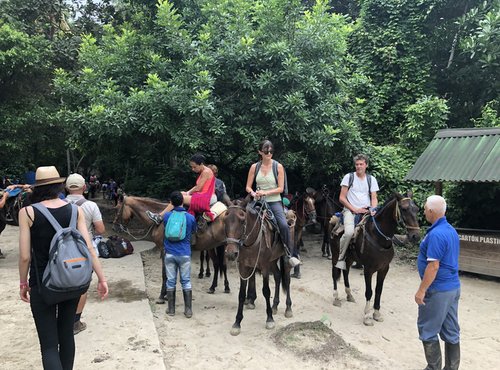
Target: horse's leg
{"x": 213, "y": 256}
{"x": 335, "y": 277}
{"x": 277, "y": 284}
{"x": 326, "y": 241}
{"x": 202, "y": 257}
{"x": 252, "y": 293}
{"x": 377, "y": 316}
{"x": 236, "y": 329}
{"x": 267, "y": 295}
{"x": 207, "y": 260}
{"x": 222, "y": 261}
{"x": 347, "y": 285}
{"x": 163, "y": 292}
{"x": 368, "y": 320}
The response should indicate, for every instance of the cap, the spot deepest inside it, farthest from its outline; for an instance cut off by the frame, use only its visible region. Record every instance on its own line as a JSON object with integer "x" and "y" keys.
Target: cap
{"x": 75, "y": 181}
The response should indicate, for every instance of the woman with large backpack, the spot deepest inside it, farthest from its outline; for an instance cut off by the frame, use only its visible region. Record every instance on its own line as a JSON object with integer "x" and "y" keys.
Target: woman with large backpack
{"x": 268, "y": 176}
{"x": 54, "y": 322}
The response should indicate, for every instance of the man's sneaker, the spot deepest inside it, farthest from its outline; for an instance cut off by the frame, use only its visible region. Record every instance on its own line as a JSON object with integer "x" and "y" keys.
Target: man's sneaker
{"x": 155, "y": 217}
{"x": 294, "y": 261}
{"x": 341, "y": 265}
{"x": 78, "y": 327}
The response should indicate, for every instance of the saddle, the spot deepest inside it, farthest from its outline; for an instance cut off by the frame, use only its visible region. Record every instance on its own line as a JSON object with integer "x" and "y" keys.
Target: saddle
{"x": 203, "y": 220}
{"x": 337, "y": 225}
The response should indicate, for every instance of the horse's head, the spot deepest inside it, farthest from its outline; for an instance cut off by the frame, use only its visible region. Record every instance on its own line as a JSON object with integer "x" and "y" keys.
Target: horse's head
{"x": 123, "y": 214}
{"x": 409, "y": 216}
{"x": 235, "y": 226}
{"x": 309, "y": 209}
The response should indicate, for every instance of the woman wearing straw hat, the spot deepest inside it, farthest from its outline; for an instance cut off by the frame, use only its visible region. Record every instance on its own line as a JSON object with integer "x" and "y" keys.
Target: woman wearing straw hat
{"x": 54, "y": 323}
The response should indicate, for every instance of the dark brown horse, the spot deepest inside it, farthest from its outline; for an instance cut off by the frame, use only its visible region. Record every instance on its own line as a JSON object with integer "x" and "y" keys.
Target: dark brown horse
{"x": 325, "y": 208}
{"x": 254, "y": 244}
{"x": 131, "y": 207}
{"x": 305, "y": 211}
{"x": 373, "y": 248}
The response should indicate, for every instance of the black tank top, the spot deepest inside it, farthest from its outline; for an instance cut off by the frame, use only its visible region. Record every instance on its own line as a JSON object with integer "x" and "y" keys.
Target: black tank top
{"x": 42, "y": 233}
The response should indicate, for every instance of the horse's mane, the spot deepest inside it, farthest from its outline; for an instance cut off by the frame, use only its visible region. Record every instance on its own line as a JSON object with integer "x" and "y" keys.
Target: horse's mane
{"x": 388, "y": 200}
{"x": 146, "y": 200}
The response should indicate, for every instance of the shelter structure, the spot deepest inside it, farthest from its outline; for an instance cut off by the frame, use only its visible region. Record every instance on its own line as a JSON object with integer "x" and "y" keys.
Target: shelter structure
{"x": 465, "y": 155}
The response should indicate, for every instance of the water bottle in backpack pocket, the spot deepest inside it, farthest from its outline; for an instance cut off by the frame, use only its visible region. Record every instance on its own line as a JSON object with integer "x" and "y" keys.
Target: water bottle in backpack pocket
{"x": 69, "y": 269}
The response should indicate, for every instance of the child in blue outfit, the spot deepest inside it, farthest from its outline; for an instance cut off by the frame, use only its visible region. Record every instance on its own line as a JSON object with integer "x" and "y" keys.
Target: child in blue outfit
{"x": 178, "y": 258}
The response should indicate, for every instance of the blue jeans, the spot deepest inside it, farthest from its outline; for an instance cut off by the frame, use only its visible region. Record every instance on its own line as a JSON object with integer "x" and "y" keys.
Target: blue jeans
{"x": 439, "y": 315}
{"x": 181, "y": 264}
{"x": 279, "y": 214}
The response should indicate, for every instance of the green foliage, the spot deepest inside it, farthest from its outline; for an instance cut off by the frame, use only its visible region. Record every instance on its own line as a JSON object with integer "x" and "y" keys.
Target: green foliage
{"x": 489, "y": 115}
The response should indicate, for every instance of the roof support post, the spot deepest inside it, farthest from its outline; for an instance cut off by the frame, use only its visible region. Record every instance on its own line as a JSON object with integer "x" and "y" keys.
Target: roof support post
{"x": 438, "y": 188}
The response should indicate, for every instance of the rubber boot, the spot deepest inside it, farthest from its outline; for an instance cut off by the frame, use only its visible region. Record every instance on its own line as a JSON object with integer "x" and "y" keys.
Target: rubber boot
{"x": 296, "y": 272}
{"x": 451, "y": 356}
{"x": 188, "y": 298}
{"x": 171, "y": 302}
{"x": 432, "y": 355}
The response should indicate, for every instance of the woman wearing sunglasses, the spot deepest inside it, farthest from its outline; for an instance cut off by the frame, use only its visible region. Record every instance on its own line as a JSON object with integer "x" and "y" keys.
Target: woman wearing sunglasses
{"x": 270, "y": 187}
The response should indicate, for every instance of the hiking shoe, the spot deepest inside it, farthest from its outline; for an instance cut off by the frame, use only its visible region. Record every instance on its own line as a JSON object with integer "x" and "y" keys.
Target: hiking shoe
{"x": 341, "y": 265}
{"x": 294, "y": 261}
{"x": 296, "y": 276}
{"x": 78, "y": 327}
{"x": 155, "y": 217}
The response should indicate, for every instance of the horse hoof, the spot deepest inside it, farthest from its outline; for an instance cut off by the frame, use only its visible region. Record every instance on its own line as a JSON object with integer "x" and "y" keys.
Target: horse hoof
{"x": 250, "y": 306}
{"x": 211, "y": 291}
{"x": 160, "y": 301}
{"x": 377, "y": 316}
{"x": 270, "y": 325}
{"x": 328, "y": 257}
{"x": 208, "y": 274}
{"x": 227, "y": 290}
{"x": 350, "y": 298}
{"x": 337, "y": 302}
{"x": 368, "y": 321}
{"x": 288, "y": 313}
{"x": 325, "y": 255}
{"x": 200, "y": 275}
{"x": 235, "y": 331}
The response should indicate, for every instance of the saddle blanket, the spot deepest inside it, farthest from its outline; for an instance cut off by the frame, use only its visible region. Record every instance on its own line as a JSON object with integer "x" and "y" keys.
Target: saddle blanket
{"x": 217, "y": 209}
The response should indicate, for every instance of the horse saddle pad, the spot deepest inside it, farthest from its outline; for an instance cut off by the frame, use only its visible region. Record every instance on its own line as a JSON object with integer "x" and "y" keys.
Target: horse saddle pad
{"x": 337, "y": 225}
{"x": 217, "y": 209}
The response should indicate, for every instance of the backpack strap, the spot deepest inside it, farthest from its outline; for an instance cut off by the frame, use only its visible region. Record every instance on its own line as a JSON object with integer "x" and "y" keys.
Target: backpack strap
{"x": 80, "y": 201}
{"x": 351, "y": 180}
{"x": 44, "y": 211}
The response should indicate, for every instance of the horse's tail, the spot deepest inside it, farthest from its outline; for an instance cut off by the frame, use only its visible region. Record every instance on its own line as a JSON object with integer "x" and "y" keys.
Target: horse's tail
{"x": 285, "y": 275}
{"x": 219, "y": 255}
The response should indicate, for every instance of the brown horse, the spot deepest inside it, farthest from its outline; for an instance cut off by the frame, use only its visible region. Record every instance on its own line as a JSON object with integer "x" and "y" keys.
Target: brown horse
{"x": 305, "y": 211}
{"x": 254, "y": 244}
{"x": 212, "y": 237}
{"x": 373, "y": 247}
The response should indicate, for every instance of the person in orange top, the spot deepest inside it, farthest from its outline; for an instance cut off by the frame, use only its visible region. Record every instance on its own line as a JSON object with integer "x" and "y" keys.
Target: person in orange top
{"x": 200, "y": 197}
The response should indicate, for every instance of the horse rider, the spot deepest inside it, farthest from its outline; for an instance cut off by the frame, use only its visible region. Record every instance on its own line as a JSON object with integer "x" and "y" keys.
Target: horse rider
{"x": 358, "y": 195}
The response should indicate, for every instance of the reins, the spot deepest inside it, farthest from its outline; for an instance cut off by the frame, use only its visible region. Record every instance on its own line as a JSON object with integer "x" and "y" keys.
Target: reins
{"x": 397, "y": 217}
{"x": 124, "y": 229}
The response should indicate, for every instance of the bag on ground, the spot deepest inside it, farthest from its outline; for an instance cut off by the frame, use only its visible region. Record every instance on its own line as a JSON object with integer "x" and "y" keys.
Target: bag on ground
{"x": 119, "y": 247}
{"x": 175, "y": 229}
{"x": 69, "y": 268}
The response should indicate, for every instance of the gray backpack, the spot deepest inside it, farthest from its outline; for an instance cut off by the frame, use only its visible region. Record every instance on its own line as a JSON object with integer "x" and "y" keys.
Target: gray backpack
{"x": 69, "y": 269}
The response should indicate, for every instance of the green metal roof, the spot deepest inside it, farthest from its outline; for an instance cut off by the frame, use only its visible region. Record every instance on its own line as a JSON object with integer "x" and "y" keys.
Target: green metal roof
{"x": 465, "y": 155}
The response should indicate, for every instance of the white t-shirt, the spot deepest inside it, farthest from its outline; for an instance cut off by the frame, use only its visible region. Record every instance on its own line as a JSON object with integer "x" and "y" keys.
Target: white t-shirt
{"x": 358, "y": 194}
{"x": 90, "y": 209}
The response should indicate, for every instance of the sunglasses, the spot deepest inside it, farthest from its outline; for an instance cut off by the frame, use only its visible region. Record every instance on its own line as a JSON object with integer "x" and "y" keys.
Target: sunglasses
{"x": 268, "y": 151}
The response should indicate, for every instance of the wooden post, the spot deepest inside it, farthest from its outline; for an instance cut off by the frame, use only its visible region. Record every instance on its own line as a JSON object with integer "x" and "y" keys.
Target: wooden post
{"x": 438, "y": 188}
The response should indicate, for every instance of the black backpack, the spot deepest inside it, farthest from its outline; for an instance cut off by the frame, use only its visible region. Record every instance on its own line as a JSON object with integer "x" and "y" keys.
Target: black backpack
{"x": 275, "y": 172}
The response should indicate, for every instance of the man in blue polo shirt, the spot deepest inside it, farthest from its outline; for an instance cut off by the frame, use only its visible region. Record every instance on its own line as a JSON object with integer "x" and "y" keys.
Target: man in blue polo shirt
{"x": 178, "y": 258}
{"x": 439, "y": 291}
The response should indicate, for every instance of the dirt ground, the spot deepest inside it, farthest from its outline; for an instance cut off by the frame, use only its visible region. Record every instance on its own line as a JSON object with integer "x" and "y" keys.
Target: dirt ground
{"x": 319, "y": 335}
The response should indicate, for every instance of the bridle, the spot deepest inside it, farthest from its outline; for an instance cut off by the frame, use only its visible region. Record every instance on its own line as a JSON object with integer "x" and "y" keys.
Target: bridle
{"x": 124, "y": 229}
{"x": 398, "y": 217}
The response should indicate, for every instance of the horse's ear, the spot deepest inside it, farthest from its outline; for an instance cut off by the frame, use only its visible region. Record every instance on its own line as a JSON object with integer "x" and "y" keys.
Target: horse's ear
{"x": 397, "y": 196}
{"x": 409, "y": 194}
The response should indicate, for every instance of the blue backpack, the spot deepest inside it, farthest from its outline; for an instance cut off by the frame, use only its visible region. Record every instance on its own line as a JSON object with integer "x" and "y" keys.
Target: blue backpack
{"x": 175, "y": 229}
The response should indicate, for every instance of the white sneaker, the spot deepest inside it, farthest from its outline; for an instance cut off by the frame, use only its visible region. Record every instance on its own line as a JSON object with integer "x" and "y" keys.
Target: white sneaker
{"x": 294, "y": 261}
{"x": 341, "y": 265}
